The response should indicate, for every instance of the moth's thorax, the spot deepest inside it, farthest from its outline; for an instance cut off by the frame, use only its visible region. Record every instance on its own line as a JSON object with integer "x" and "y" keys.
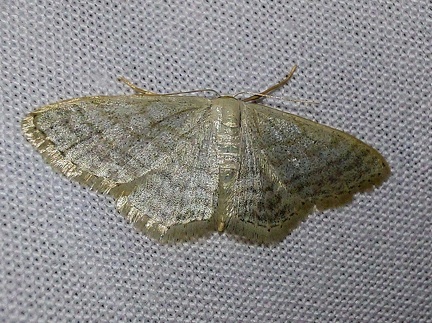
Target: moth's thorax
{"x": 230, "y": 111}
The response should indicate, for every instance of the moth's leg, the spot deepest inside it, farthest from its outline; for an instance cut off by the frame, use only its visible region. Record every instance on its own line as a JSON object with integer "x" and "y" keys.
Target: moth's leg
{"x": 136, "y": 89}
{"x": 274, "y": 87}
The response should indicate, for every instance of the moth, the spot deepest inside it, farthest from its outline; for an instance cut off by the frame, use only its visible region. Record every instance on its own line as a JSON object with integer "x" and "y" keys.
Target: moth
{"x": 180, "y": 166}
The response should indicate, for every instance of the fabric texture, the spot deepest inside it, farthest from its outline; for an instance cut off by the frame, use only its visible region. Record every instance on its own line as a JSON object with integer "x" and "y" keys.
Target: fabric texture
{"x": 67, "y": 255}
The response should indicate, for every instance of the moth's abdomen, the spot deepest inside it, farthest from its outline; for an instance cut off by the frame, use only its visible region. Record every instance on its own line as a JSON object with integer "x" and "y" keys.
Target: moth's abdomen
{"x": 228, "y": 138}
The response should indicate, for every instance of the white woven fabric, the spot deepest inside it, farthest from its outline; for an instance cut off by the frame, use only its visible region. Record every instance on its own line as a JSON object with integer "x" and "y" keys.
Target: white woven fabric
{"x": 67, "y": 255}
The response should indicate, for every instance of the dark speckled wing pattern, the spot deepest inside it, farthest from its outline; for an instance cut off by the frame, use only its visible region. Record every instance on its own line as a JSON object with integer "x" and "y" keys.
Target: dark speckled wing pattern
{"x": 289, "y": 165}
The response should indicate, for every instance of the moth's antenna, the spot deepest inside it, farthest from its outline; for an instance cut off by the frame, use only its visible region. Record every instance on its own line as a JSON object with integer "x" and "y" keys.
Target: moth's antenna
{"x": 141, "y": 91}
{"x": 136, "y": 89}
{"x": 193, "y": 91}
{"x": 282, "y": 98}
{"x": 272, "y": 88}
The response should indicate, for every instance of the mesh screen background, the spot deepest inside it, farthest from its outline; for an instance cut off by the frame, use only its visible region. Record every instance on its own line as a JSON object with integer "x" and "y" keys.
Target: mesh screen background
{"x": 67, "y": 255}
